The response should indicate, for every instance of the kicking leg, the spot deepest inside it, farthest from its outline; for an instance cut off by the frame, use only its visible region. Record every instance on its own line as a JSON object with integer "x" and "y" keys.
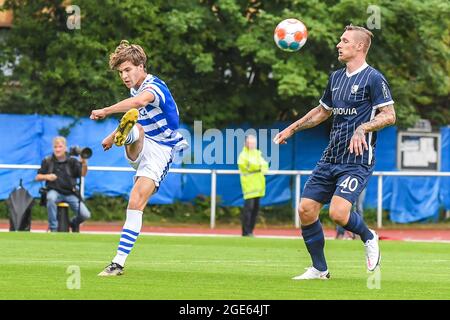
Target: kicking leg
{"x": 135, "y": 142}
{"x": 125, "y": 133}
{"x": 127, "y": 122}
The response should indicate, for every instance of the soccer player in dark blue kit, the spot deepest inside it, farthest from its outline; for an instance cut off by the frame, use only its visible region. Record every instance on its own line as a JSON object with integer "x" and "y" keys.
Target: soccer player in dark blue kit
{"x": 359, "y": 98}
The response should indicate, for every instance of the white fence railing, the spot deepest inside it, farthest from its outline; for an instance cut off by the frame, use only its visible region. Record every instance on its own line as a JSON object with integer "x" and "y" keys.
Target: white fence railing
{"x": 297, "y": 173}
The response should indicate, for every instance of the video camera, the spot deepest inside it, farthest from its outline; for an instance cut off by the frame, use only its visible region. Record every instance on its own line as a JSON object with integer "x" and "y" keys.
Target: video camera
{"x": 84, "y": 153}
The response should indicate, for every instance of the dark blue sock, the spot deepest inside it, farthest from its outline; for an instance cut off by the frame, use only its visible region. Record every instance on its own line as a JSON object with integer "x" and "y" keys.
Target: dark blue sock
{"x": 357, "y": 225}
{"x": 315, "y": 242}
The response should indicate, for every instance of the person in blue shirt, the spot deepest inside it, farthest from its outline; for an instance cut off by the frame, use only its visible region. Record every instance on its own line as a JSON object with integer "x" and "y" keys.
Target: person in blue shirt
{"x": 359, "y": 98}
{"x": 149, "y": 133}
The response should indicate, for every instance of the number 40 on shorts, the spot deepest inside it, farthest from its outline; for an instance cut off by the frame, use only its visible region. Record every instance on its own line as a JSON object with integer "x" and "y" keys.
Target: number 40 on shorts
{"x": 349, "y": 184}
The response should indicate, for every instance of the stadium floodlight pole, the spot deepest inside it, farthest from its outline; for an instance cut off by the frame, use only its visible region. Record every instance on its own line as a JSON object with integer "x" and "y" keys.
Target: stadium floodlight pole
{"x": 213, "y": 198}
{"x": 380, "y": 202}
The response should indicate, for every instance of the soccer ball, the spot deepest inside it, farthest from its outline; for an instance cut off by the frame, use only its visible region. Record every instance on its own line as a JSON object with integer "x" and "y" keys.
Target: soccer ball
{"x": 290, "y": 35}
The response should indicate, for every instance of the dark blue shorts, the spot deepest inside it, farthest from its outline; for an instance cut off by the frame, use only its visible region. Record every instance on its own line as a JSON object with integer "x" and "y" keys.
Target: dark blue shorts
{"x": 330, "y": 179}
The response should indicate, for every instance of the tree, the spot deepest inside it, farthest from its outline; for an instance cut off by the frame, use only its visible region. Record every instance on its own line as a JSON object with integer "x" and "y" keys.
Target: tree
{"x": 218, "y": 57}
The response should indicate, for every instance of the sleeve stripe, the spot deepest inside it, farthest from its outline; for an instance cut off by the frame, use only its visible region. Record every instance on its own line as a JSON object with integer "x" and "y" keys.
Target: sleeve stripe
{"x": 158, "y": 98}
{"x": 324, "y": 105}
{"x": 154, "y": 88}
{"x": 383, "y": 104}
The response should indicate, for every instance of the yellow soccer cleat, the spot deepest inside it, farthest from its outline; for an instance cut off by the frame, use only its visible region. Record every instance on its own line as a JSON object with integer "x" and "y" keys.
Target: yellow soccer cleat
{"x": 127, "y": 122}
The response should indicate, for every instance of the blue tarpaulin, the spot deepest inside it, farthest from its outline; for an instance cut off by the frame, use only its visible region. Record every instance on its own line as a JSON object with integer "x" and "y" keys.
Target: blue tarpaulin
{"x": 27, "y": 139}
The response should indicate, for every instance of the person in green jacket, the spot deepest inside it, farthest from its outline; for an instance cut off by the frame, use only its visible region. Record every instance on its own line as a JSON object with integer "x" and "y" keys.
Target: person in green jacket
{"x": 252, "y": 167}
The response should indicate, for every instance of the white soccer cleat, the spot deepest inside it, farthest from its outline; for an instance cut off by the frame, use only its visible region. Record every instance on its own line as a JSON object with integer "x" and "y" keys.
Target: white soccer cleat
{"x": 373, "y": 255}
{"x": 312, "y": 273}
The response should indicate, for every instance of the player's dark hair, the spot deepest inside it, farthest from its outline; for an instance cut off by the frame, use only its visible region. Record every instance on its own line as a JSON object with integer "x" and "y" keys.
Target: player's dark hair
{"x": 127, "y": 52}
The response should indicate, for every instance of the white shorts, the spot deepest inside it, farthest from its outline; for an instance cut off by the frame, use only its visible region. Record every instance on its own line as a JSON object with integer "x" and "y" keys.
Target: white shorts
{"x": 153, "y": 161}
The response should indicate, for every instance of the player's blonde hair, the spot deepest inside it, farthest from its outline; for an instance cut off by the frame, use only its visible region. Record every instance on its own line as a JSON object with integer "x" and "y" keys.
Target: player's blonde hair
{"x": 364, "y": 35}
{"x": 127, "y": 52}
{"x": 59, "y": 139}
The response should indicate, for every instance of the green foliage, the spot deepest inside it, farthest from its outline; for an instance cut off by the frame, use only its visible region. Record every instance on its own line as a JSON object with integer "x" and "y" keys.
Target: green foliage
{"x": 218, "y": 57}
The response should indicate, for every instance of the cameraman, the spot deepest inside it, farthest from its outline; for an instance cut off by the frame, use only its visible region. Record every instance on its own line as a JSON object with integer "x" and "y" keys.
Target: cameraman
{"x": 60, "y": 172}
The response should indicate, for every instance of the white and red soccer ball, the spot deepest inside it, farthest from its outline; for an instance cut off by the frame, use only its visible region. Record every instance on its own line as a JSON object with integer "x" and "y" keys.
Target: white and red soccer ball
{"x": 290, "y": 35}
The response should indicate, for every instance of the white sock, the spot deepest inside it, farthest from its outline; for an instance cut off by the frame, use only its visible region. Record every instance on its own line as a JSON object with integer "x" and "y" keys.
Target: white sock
{"x": 130, "y": 232}
{"x": 133, "y": 136}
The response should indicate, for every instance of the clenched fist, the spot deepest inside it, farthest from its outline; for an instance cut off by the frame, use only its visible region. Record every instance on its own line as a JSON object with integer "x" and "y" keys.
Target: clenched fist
{"x": 98, "y": 114}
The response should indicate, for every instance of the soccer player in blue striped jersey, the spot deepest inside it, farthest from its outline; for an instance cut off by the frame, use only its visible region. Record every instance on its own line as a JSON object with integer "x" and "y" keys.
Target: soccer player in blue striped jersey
{"x": 359, "y": 98}
{"x": 148, "y": 130}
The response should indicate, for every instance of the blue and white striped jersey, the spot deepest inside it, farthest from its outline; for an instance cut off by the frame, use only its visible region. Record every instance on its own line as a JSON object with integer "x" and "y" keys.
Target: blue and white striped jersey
{"x": 160, "y": 118}
{"x": 354, "y": 99}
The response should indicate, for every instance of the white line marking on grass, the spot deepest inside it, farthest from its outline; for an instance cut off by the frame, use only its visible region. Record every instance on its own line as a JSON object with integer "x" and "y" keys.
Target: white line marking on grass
{"x": 428, "y": 240}
{"x": 170, "y": 234}
{"x": 34, "y": 231}
{"x": 28, "y": 260}
{"x": 217, "y": 235}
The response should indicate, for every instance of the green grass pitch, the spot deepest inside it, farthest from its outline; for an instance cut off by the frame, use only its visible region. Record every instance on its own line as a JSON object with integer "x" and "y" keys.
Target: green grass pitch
{"x": 35, "y": 266}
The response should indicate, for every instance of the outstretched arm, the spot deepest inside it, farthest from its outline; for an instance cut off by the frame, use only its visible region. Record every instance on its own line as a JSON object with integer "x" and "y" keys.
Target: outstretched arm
{"x": 384, "y": 118}
{"x": 123, "y": 106}
{"x": 314, "y": 117}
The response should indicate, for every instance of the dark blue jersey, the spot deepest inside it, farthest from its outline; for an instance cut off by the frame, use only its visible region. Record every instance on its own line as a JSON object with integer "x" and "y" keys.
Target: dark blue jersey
{"x": 354, "y": 99}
